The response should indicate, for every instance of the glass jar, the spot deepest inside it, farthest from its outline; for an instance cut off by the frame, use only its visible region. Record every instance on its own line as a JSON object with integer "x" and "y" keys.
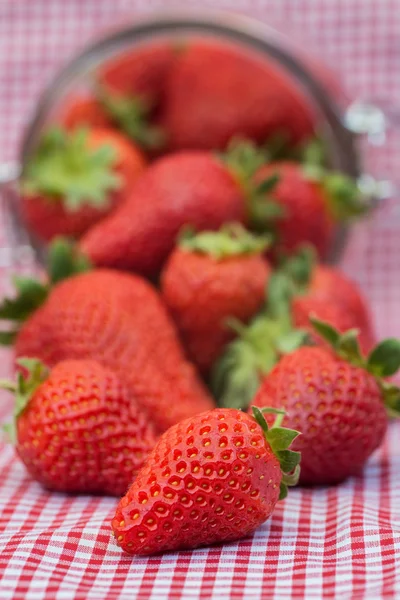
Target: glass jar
{"x": 340, "y": 127}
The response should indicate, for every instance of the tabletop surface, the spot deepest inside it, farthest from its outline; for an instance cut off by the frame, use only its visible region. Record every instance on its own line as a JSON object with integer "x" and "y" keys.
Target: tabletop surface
{"x": 342, "y": 542}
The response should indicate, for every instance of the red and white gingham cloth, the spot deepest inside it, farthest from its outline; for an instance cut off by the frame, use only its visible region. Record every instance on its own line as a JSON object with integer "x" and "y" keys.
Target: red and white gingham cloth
{"x": 339, "y": 542}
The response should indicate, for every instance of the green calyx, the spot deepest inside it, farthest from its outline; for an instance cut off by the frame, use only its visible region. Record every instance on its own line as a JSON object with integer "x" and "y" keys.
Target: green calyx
{"x": 342, "y": 192}
{"x": 258, "y": 346}
{"x": 65, "y": 169}
{"x": 238, "y": 373}
{"x": 231, "y": 240}
{"x": 299, "y": 267}
{"x": 344, "y": 197}
{"x": 280, "y": 439}
{"x": 63, "y": 261}
{"x": 382, "y": 362}
{"x": 132, "y": 115}
{"x": 244, "y": 160}
{"x": 312, "y": 152}
{"x": 23, "y": 389}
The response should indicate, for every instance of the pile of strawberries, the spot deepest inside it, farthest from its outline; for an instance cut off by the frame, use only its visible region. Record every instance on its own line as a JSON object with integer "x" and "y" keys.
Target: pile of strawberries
{"x": 199, "y": 211}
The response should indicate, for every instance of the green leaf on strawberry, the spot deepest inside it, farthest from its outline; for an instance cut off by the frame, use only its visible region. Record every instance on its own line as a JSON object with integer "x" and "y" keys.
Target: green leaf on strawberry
{"x": 65, "y": 169}
{"x": 231, "y": 240}
{"x": 342, "y": 192}
{"x": 63, "y": 261}
{"x": 244, "y": 159}
{"x": 24, "y": 388}
{"x": 132, "y": 114}
{"x": 280, "y": 439}
{"x": 383, "y": 361}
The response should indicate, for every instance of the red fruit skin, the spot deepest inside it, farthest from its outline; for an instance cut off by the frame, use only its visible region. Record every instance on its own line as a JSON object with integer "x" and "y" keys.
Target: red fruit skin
{"x": 307, "y": 217}
{"x": 83, "y": 111}
{"x": 46, "y": 217}
{"x": 190, "y": 188}
{"x": 139, "y": 72}
{"x": 64, "y": 434}
{"x": 202, "y": 292}
{"x": 120, "y": 321}
{"x": 337, "y": 407}
{"x": 216, "y": 91}
{"x": 212, "y": 478}
{"x": 331, "y": 312}
{"x": 332, "y": 284}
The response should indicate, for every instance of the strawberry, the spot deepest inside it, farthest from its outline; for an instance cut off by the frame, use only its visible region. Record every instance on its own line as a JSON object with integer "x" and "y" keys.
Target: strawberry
{"x": 209, "y": 278}
{"x": 139, "y": 71}
{"x": 337, "y": 398}
{"x": 216, "y": 91}
{"x": 283, "y": 325}
{"x": 332, "y": 312}
{"x": 329, "y": 282}
{"x": 316, "y": 284}
{"x": 130, "y": 88}
{"x": 86, "y": 111}
{"x": 191, "y": 188}
{"x": 120, "y": 321}
{"x": 313, "y": 202}
{"x": 77, "y": 428}
{"x": 212, "y": 478}
{"x": 76, "y": 178}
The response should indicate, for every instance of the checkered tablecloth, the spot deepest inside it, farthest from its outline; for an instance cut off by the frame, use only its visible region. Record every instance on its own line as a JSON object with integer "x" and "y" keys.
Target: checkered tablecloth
{"x": 341, "y": 542}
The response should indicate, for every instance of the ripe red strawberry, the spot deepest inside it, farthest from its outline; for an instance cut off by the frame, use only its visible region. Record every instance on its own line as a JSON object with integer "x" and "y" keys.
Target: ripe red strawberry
{"x": 312, "y": 204}
{"x": 318, "y": 285}
{"x": 77, "y": 428}
{"x": 216, "y": 91}
{"x": 332, "y": 312}
{"x": 284, "y": 324}
{"x": 192, "y": 188}
{"x": 76, "y": 178}
{"x": 212, "y": 478}
{"x": 139, "y": 71}
{"x": 337, "y": 399}
{"x": 86, "y": 111}
{"x": 328, "y": 282}
{"x": 120, "y": 321}
{"x": 131, "y": 89}
{"x": 209, "y": 278}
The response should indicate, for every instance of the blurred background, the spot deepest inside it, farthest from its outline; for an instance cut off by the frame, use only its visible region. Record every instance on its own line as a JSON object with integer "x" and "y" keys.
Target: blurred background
{"x": 358, "y": 38}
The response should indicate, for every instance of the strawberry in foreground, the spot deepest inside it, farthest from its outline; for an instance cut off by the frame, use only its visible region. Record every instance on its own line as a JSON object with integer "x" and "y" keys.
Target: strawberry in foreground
{"x": 117, "y": 319}
{"x": 77, "y": 429}
{"x": 216, "y": 91}
{"x": 313, "y": 202}
{"x": 75, "y": 178}
{"x": 338, "y": 399}
{"x": 210, "y": 479}
{"x": 209, "y": 278}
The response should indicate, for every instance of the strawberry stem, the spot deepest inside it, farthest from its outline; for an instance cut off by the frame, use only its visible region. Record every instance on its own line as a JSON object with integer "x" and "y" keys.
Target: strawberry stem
{"x": 10, "y": 386}
{"x": 280, "y": 439}
{"x": 244, "y": 159}
{"x": 231, "y": 240}
{"x": 65, "y": 169}
{"x": 63, "y": 261}
{"x": 24, "y": 388}
{"x": 383, "y": 361}
{"x": 132, "y": 115}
